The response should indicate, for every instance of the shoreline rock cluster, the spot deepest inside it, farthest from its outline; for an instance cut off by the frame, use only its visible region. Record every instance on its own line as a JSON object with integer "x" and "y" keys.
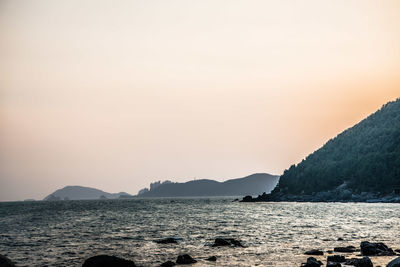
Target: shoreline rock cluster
{"x": 345, "y": 195}
{"x": 367, "y": 249}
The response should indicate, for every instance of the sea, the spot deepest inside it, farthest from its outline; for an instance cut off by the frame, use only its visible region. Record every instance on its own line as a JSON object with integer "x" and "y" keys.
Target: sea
{"x": 65, "y": 233}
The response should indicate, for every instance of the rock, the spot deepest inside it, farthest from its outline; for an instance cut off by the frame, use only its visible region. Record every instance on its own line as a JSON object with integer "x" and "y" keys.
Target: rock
{"x": 185, "y": 259}
{"x": 394, "y": 263}
{"x": 107, "y": 261}
{"x": 220, "y": 242}
{"x": 235, "y": 200}
{"x": 169, "y": 240}
{"x": 397, "y": 250}
{"x": 212, "y": 258}
{"x": 336, "y": 258}
{"x": 168, "y": 264}
{"x": 311, "y": 262}
{"x": 375, "y": 249}
{"x": 364, "y": 262}
{"x": 333, "y": 264}
{"x": 314, "y": 252}
{"x": 340, "y": 239}
{"x": 247, "y": 199}
{"x": 6, "y": 262}
{"x": 348, "y": 249}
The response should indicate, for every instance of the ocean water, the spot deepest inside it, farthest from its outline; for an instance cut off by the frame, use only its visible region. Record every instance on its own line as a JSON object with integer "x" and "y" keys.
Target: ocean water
{"x": 65, "y": 233}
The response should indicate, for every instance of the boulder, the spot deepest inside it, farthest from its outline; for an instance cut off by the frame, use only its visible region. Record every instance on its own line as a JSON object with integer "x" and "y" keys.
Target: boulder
{"x": 169, "y": 240}
{"x": 6, "y": 262}
{"x": 247, "y": 199}
{"x": 333, "y": 264}
{"x": 168, "y": 264}
{"x": 336, "y": 258}
{"x": 364, "y": 262}
{"x": 312, "y": 262}
{"x": 315, "y": 252}
{"x": 107, "y": 261}
{"x": 375, "y": 249}
{"x": 348, "y": 249}
{"x": 394, "y": 263}
{"x": 185, "y": 259}
{"x": 212, "y": 258}
{"x": 220, "y": 242}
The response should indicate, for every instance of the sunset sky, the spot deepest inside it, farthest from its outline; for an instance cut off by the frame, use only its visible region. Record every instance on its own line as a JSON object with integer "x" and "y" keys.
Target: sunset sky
{"x": 117, "y": 94}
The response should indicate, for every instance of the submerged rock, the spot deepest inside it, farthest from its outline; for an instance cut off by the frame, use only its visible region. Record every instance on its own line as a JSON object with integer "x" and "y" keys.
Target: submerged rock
{"x": 220, "y": 242}
{"x": 394, "y": 263}
{"x": 348, "y": 249}
{"x": 364, "y": 262}
{"x": 185, "y": 259}
{"x": 312, "y": 262}
{"x": 107, "y": 261}
{"x": 314, "y": 252}
{"x": 6, "y": 262}
{"x": 212, "y": 258}
{"x": 168, "y": 264}
{"x": 375, "y": 249}
{"x": 169, "y": 240}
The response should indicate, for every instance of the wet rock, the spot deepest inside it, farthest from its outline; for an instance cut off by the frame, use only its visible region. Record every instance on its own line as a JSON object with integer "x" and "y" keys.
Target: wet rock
{"x": 364, "y": 262}
{"x": 185, "y": 259}
{"x": 169, "y": 240}
{"x": 336, "y": 258}
{"x": 333, "y": 264}
{"x": 220, "y": 242}
{"x": 311, "y": 262}
{"x": 394, "y": 263}
{"x": 168, "y": 264}
{"x": 212, "y": 258}
{"x": 348, "y": 249}
{"x": 6, "y": 262}
{"x": 107, "y": 261}
{"x": 314, "y": 252}
{"x": 375, "y": 249}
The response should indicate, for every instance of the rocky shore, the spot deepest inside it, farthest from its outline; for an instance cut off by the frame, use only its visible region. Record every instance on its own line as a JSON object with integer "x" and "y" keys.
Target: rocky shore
{"x": 364, "y": 256}
{"x": 327, "y": 196}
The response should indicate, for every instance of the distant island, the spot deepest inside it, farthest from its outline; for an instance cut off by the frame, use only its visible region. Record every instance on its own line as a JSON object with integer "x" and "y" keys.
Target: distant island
{"x": 251, "y": 185}
{"x": 81, "y": 193}
{"x": 360, "y": 164}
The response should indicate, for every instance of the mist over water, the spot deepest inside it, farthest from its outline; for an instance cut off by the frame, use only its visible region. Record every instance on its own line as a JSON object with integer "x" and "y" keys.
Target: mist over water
{"x": 65, "y": 233}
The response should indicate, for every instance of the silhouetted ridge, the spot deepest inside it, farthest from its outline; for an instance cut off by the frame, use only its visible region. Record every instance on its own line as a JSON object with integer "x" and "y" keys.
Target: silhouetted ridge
{"x": 250, "y": 185}
{"x": 364, "y": 158}
{"x": 81, "y": 192}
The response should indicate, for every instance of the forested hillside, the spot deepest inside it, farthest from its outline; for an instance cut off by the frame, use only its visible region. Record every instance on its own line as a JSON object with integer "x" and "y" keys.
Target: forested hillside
{"x": 364, "y": 158}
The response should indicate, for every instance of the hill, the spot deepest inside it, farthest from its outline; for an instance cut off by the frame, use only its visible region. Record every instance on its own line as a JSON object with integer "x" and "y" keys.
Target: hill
{"x": 360, "y": 163}
{"x": 250, "y": 185}
{"x": 81, "y": 192}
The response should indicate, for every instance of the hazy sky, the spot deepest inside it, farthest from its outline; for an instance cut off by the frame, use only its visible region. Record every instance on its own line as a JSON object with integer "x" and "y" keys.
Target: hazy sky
{"x": 117, "y": 94}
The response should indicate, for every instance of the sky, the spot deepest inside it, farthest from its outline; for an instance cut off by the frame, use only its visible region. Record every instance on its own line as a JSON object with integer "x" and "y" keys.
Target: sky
{"x": 117, "y": 94}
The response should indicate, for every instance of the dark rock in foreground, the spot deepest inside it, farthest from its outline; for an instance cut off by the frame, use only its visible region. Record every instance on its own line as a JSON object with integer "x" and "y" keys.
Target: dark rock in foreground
{"x": 169, "y": 240}
{"x": 6, "y": 262}
{"x": 168, "y": 264}
{"x": 348, "y": 249}
{"x": 220, "y": 242}
{"x": 185, "y": 259}
{"x": 336, "y": 258}
{"x": 314, "y": 252}
{"x": 364, "y": 262}
{"x": 212, "y": 258}
{"x": 312, "y": 262}
{"x": 394, "y": 263}
{"x": 107, "y": 261}
{"x": 375, "y": 249}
